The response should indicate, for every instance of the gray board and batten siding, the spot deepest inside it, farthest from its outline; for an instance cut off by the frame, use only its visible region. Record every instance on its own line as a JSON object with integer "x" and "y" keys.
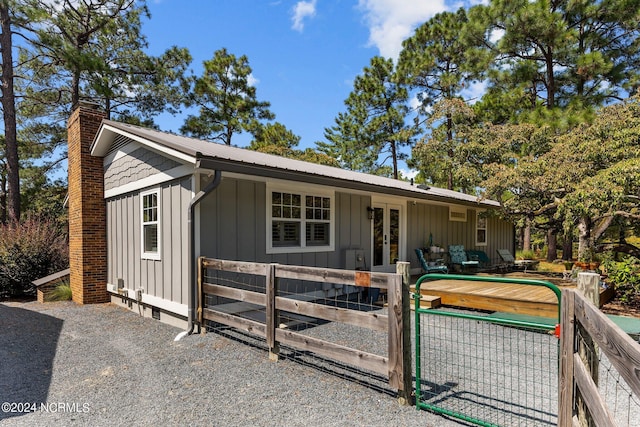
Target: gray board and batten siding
{"x": 165, "y": 278}
{"x": 233, "y": 226}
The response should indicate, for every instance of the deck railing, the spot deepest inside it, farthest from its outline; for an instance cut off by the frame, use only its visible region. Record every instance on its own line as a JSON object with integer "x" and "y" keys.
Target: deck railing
{"x": 588, "y": 339}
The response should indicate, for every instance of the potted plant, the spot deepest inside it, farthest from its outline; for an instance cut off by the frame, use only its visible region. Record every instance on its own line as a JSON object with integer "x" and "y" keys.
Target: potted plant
{"x": 585, "y": 259}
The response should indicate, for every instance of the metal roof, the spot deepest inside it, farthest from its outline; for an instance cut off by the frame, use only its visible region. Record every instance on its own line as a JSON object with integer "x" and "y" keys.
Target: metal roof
{"x": 210, "y": 155}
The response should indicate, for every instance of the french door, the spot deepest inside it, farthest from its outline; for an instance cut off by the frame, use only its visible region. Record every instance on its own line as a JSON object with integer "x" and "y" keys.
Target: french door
{"x": 387, "y": 236}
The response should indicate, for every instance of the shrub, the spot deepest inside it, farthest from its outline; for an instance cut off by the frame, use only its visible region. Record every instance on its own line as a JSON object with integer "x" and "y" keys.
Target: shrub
{"x": 29, "y": 250}
{"x": 528, "y": 254}
{"x": 62, "y": 292}
{"x": 625, "y": 276}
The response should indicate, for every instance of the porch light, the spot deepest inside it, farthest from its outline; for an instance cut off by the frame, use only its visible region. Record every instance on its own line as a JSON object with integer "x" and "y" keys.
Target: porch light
{"x": 370, "y": 212}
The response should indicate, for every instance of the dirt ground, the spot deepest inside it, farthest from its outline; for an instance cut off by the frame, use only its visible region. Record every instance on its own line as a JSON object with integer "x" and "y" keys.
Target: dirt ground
{"x": 618, "y": 308}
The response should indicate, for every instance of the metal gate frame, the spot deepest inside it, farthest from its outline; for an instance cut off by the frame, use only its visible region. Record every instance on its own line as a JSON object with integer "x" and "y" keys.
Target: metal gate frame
{"x": 512, "y": 323}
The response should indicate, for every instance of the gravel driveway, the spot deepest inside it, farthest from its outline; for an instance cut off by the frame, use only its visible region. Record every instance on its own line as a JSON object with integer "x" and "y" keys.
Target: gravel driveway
{"x": 99, "y": 365}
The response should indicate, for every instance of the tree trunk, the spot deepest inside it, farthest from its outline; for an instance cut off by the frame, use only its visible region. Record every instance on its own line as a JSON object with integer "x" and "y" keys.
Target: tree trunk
{"x": 526, "y": 237}
{"x": 520, "y": 237}
{"x": 551, "y": 81}
{"x": 585, "y": 244}
{"x": 567, "y": 246}
{"x": 3, "y": 198}
{"x": 75, "y": 89}
{"x": 228, "y": 135}
{"x": 552, "y": 248}
{"x": 107, "y": 108}
{"x": 9, "y": 116}
{"x": 625, "y": 248}
{"x": 394, "y": 158}
{"x": 450, "y": 141}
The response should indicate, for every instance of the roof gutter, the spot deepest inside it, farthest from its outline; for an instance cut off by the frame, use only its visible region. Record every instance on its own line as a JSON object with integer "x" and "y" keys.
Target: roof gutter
{"x": 192, "y": 285}
{"x": 288, "y": 175}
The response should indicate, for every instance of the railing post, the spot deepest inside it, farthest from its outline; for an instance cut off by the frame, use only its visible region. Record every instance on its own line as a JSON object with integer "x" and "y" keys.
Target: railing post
{"x": 272, "y": 319}
{"x": 589, "y": 286}
{"x": 566, "y": 383}
{"x": 402, "y": 309}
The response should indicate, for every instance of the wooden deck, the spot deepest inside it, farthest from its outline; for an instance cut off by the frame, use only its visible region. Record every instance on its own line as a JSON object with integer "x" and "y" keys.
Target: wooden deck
{"x": 503, "y": 297}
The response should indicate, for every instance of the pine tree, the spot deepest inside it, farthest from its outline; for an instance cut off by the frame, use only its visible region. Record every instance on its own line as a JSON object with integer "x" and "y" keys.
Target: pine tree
{"x": 226, "y": 101}
{"x": 374, "y": 123}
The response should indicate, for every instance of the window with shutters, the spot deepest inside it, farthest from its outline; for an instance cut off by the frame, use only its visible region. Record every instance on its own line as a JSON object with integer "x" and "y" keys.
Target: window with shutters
{"x": 299, "y": 221}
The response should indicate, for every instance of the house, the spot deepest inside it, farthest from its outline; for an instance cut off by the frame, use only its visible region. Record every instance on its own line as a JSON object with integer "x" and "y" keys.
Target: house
{"x": 144, "y": 204}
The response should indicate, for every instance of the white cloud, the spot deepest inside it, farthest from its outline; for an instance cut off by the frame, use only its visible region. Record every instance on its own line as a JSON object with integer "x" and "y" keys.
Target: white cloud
{"x": 392, "y": 21}
{"x": 252, "y": 80}
{"x": 414, "y": 103}
{"x": 496, "y": 35}
{"x": 302, "y": 10}
{"x": 408, "y": 173}
{"x": 474, "y": 91}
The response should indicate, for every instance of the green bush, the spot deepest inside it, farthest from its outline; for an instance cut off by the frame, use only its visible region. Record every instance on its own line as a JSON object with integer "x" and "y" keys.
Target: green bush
{"x": 29, "y": 250}
{"x": 625, "y": 276}
{"x": 528, "y": 254}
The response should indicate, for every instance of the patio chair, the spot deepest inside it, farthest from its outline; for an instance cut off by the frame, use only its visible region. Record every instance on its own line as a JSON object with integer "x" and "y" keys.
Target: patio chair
{"x": 436, "y": 267}
{"x": 508, "y": 260}
{"x": 459, "y": 257}
{"x": 506, "y": 256}
{"x": 481, "y": 257}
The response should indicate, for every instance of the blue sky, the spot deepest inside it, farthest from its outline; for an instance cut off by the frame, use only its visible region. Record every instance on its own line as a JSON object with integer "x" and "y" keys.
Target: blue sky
{"x": 304, "y": 54}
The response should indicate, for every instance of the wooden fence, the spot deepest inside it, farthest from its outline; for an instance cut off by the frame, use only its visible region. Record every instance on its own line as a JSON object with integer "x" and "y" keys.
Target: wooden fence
{"x": 580, "y": 402}
{"x": 396, "y": 323}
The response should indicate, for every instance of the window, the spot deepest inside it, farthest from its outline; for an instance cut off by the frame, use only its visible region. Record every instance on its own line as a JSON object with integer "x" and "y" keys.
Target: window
{"x": 299, "y": 221}
{"x": 150, "y": 205}
{"x": 481, "y": 229}
{"x": 286, "y": 211}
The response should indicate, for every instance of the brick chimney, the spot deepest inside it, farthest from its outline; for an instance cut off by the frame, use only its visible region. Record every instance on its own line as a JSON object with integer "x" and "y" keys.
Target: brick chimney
{"x": 87, "y": 216}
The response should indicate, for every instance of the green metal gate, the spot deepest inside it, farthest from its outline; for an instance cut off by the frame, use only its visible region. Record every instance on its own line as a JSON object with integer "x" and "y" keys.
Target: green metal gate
{"x": 486, "y": 369}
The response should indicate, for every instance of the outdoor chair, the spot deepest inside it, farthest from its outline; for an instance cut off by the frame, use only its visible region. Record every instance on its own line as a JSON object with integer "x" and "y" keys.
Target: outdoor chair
{"x": 481, "y": 257}
{"x": 459, "y": 257}
{"x": 510, "y": 262}
{"x": 436, "y": 267}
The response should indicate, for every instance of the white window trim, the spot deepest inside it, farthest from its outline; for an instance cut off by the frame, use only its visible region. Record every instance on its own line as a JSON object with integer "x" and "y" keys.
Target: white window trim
{"x": 486, "y": 228}
{"x": 151, "y": 255}
{"x": 303, "y": 190}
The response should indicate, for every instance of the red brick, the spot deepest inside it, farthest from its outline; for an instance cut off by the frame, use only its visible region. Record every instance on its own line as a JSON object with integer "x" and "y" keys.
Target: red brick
{"x": 87, "y": 209}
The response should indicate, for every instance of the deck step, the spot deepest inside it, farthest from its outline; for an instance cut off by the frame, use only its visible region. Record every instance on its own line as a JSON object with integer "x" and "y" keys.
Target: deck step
{"x": 428, "y": 301}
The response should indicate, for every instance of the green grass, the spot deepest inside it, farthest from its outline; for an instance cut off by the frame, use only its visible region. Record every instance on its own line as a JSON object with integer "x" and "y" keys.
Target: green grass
{"x": 62, "y": 292}
{"x": 550, "y": 267}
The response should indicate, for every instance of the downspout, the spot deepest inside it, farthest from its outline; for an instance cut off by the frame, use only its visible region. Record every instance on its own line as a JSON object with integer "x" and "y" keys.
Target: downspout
{"x": 191, "y": 295}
